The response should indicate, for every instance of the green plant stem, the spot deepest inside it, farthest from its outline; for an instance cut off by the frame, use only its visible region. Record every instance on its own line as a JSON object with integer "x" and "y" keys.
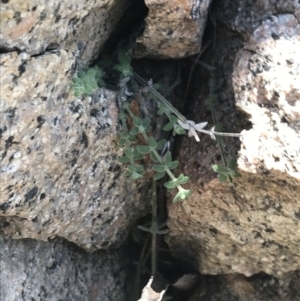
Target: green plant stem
{"x": 154, "y": 219}
{"x": 158, "y": 157}
{"x": 159, "y": 98}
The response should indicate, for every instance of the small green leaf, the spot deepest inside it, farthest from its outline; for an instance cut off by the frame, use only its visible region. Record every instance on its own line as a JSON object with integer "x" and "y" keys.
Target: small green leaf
{"x": 91, "y": 73}
{"x": 159, "y": 175}
{"x": 173, "y": 164}
{"x": 152, "y": 142}
{"x": 143, "y": 149}
{"x": 136, "y": 176}
{"x": 219, "y": 169}
{"x": 128, "y": 153}
{"x": 162, "y": 232}
{"x": 137, "y": 155}
{"x": 131, "y": 169}
{"x": 139, "y": 169}
{"x": 168, "y": 159}
{"x": 146, "y": 121}
{"x": 137, "y": 121}
{"x": 143, "y": 228}
{"x": 134, "y": 131}
{"x": 222, "y": 178}
{"x": 182, "y": 195}
{"x": 154, "y": 227}
{"x": 76, "y": 80}
{"x": 178, "y": 130}
{"x": 161, "y": 109}
{"x": 168, "y": 126}
{"x": 233, "y": 173}
{"x": 173, "y": 119}
{"x": 159, "y": 168}
{"x": 81, "y": 74}
{"x": 153, "y": 157}
{"x": 121, "y": 142}
{"x": 128, "y": 173}
{"x": 182, "y": 179}
{"x": 123, "y": 159}
{"x": 170, "y": 184}
{"x": 161, "y": 144}
{"x": 232, "y": 164}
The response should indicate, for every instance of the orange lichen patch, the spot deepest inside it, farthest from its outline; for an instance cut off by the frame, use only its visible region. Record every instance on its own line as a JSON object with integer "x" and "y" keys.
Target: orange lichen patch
{"x": 23, "y": 27}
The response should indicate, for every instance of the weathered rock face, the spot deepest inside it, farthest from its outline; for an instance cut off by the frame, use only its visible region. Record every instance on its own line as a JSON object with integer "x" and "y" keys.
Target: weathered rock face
{"x": 174, "y": 29}
{"x": 36, "y": 270}
{"x": 252, "y": 225}
{"x": 78, "y": 27}
{"x": 59, "y": 168}
{"x": 236, "y": 287}
{"x": 266, "y": 84}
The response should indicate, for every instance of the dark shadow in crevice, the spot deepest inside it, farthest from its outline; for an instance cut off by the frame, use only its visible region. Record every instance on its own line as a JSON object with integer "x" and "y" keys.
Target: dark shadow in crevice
{"x": 129, "y": 28}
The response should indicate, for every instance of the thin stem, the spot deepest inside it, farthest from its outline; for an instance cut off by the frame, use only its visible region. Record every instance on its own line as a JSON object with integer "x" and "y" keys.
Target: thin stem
{"x": 159, "y": 98}
{"x": 193, "y": 67}
{"x": 154, "y": 219}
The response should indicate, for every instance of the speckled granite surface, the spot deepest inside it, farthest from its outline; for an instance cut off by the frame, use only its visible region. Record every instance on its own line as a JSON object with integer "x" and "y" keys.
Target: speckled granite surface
{"x": 251, "y": 226}
{"x": 174, "y": 29}
{"x": 60, "y": 271}
{"x": 79, "y": 27}
{"x": 60, "y": 175}
{"x": 59, "y": 169}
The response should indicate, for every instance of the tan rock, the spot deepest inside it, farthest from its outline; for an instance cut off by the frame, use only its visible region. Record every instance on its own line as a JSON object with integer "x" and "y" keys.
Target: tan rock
{"x": 251, "y": 226}
{"x": 174, "y": 29}
{"x": 78, "y": 27}
{"x": 59, "y": 166}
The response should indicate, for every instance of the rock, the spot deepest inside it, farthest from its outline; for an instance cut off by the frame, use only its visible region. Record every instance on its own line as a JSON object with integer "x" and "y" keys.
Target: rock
{"x": 266, "y": 84}
{"x": 244, "y": 16}
{"x": 57, "y": 270}
{"x": 252, "y": 225}
{"x": 78, "y": 27}
{"x": 261, "y": 287}
{"x": 174, "y": 29}
{"x": 60, "y": 174}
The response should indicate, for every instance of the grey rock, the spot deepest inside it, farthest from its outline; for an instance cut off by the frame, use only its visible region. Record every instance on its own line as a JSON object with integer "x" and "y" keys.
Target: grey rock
{"x": 58, "y": 270}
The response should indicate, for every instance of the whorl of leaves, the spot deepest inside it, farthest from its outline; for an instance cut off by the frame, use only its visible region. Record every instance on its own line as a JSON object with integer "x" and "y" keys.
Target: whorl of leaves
{"x": 87, "y": 81}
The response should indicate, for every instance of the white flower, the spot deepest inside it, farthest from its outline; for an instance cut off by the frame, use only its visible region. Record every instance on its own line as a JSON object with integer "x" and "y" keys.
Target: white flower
{"x": 192, "y": 127}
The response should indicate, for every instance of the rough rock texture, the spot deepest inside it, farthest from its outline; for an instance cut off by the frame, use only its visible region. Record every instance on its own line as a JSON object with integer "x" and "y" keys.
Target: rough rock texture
{"x": 266, "y": 84}
{"x": 79, "y": 27}
{"x": 261, "y": 287}
{"x": 174, "y": 29}
{"x": 59, "y": 170}
{"x": 252, "y": 225}
{"x": 244, "y": 16}
{"x": 56, "y": 270}
{"x": 60, "y": 175}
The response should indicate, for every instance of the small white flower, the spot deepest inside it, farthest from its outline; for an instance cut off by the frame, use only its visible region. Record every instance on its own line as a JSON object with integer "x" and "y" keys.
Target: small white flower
{"x": 192, "y": 127}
